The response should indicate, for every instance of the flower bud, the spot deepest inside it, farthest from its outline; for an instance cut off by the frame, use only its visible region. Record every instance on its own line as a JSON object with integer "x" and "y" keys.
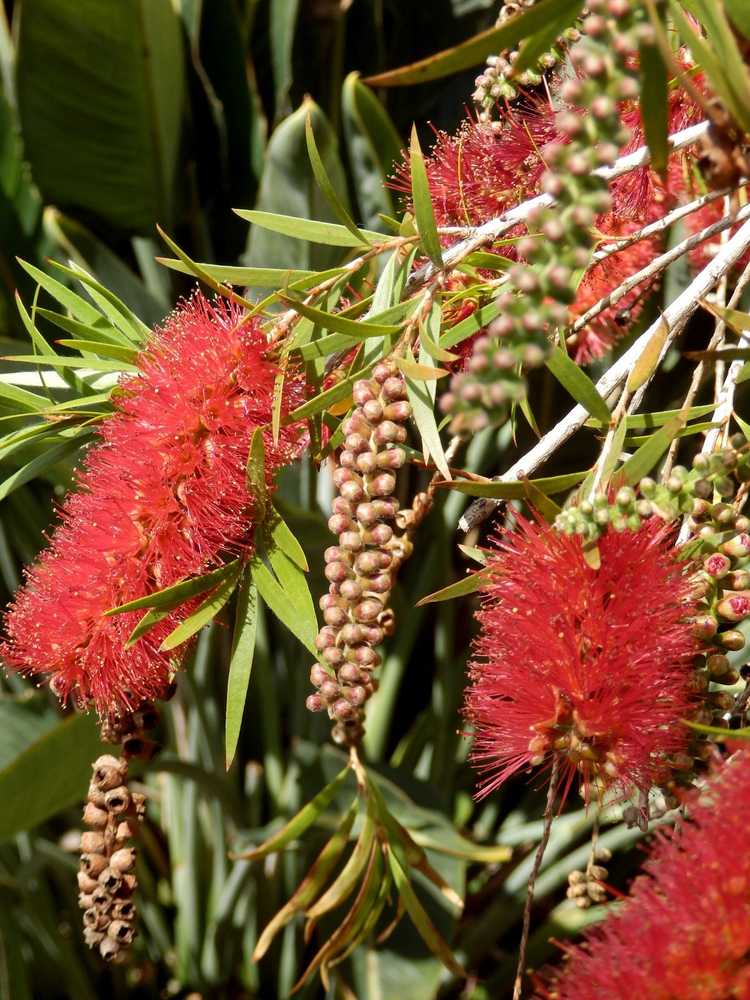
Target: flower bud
{"x": 735, "y": 608}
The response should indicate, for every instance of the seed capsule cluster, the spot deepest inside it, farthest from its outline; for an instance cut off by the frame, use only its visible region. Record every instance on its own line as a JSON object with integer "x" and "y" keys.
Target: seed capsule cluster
{"x": 495, "y": 84}
{"x": 560, "y": 239}
{"x": 106, "y": 878}
{"x": 361, "y": 567}
{"x": 586, "y": 887}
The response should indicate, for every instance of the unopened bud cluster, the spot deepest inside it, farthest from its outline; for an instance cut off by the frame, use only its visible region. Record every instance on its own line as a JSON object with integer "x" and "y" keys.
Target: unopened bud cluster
{"x": 684, "y": 492}
{"x": 586, "y": 887}
{"x": 497, "y": 81}
{"x": 560, "y": 238}
{"x": 106, "y": 878}
{"x": 361, "y": 567}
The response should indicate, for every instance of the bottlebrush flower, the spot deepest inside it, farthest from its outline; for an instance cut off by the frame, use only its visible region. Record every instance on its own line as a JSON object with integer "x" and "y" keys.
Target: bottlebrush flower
{"x": 162, "y": 496}
{"x": 485, "y": 168}
{"x": 593, "y": 666}
{"x": 684, "y": 931}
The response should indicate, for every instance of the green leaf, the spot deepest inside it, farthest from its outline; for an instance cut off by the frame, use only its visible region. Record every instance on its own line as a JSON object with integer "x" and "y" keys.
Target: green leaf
{"x": 578, "y": 384}
{"x": 121, "y": 317}
{"x": 283, "y": 537}
{"x": 473, "y": 323}
{"x": 474, "y": 50}
{"x": 205, "y": 613}
{"x": 79, "y": 307}
{"x": 374, "y": 148}
{"x": 297, "y": 825}
{"x": 515, "y": 489}
{"x": 202, "y": 275}
{"x": 420, "y": 191}
{"x": 461, "y": 588}
{"x": 256, "y": 474}
{"x": 423, "y": 412}
{"x": 41, "y": 464}
{"x": 53, "y": 361}
{"x": 328, "y": 233}
{"x": 146, "y": 623}
{"x": 311, "y": 884}
{"x": 284, "y": 588}
{"x": 334, "y": 321}
{"x": 427, "y": 930}
{"x": 327, "y": 398}
{"x": 178, "y": 593}
{"x": 63, "y": 756}
{"x": 123, "y": 64}
{"x": 337, "y": 206}
{"x": 257, "y": 277}
{"x": 240, "y": 663}
{"x": 288, "y": 187}
{"x": 349, "y": 876}
{"x": 739, "y": 12}
{"x": 643, "y": 461}
{"x": 283, "y": 22}
{"x": 566, "y": 13}
{"x": 654, "y": 103}
{"x": 126, "y": 354}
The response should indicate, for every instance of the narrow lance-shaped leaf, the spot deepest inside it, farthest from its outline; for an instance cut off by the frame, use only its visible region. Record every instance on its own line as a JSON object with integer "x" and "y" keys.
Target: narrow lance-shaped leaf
{"x": 654, "y": 101}
{"x": 577, "y": 383}
{"x": 240, "y": 663}
{"x": 337, "y": 206}
{"x": 328, "y": 233}
{"x": 178, "y": 593}
{"x": 420, "y": 189}
{"x": 207, "y": 611}
{"x": 300, "y": 822}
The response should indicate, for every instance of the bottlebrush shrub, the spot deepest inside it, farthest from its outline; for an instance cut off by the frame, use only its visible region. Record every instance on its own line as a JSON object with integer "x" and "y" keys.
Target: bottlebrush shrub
{"x": 591, "y": 665}
{"x": 486, "y": 168}
{"x": 685, "y": 929}
{"x": 162, "y": 496}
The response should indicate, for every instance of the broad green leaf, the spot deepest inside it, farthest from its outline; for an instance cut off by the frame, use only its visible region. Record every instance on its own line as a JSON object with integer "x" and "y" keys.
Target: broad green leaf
{"x": 41, "y": 464}
{"x": 123, "y": 64}
{"x": 374, "y": 148}
{"x": 515, "y": 489}
{"x": 178, "y": 593}
{"x": 739, "y": 12}
{"x": 207, "y": 611}
{"x": 461, "y": 588}
{"x": 297, "y": 825}
{"x": 422, "y": 202}
{"x": 288, "y": 187}
{"x": 63, "y": 755}
{"x": 474, "y": 50}
{"x": 324, "y": 183}
{"x": 542, "y": 40}
{"x": 423, "y": 412}
{"x": 654, "y": 103}
{"x": 329, "y": 233}
{"x": 240, "y": 663}
{"x": 578, "y": 384}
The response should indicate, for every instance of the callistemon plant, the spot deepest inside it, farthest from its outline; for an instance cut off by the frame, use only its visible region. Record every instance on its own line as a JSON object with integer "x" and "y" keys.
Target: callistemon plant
{"x": 589, "y": 666}
{"x": 551, "y": 253}
{"x": 684, "y": 929}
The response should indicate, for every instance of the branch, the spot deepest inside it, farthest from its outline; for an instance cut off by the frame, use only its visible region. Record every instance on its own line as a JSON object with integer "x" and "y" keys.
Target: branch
{"x": 658, "y": 264}
{"x": 675, "y": 316}
{"x": 494, "y": 228}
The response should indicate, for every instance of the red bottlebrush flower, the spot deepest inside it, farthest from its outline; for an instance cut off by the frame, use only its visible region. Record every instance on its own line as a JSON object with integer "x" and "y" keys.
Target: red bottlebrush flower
{"x": 685, "y": 929}
{"x": 590, "y": 665}
{"x": 161, "y": 497}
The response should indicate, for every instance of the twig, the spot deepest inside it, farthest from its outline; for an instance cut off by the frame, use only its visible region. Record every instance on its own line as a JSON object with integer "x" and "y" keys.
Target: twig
{"x": 539, "y": 857}
{"x": 675, "y": 316}
{"x": 494, "y": 228}
{"x": 658, "y": 264}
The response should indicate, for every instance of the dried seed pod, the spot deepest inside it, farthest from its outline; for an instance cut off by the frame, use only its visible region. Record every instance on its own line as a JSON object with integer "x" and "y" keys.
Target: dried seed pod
{"x": 92, "y": 843}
